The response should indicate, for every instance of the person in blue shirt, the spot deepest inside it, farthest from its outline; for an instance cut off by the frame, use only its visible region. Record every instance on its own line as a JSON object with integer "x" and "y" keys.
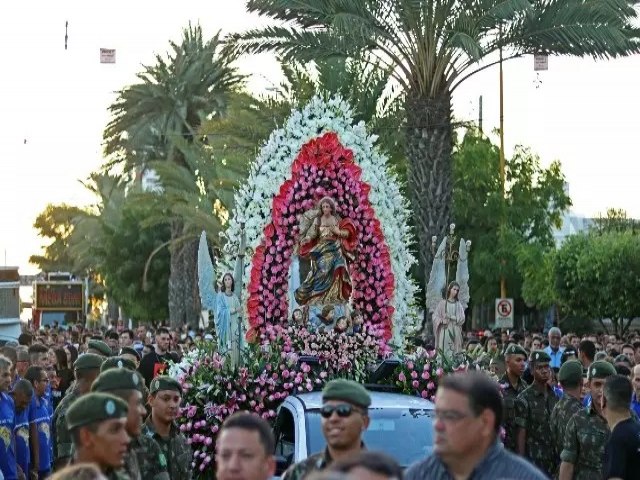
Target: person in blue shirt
{"x": 554, "y": 350}
{"x": 41, "y": 416}
{"x": 8, "y": 464}
{"x": 22, "y": 395}
{"x": 635, "y": 399}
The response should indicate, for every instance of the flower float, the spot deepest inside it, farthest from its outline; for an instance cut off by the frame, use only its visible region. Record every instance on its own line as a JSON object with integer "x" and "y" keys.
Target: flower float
{"x": 283, "y": 177}
{"x": 323, "y": 168}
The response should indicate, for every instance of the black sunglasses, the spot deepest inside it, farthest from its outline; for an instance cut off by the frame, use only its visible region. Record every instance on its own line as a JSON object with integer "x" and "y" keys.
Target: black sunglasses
{"x": 343, "y": 410}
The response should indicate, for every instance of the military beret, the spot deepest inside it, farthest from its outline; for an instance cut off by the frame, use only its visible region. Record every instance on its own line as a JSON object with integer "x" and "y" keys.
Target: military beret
{"x": 95, "y": 407}
{"x": 101, "y": 347}
{"x": 601, "y": 369}
{"x": 515, "y": 349}
{"x": 164, "y": 382}
{"x": 622, "y": 358}
{"x": 571, "y": 372}
{"x": 117, "y": 362}
{"x": 539, "y": 356}
{"x": 129, "y": 351}
{"x": 347, "y": 390}
{"x": 87, "y": 361}
{"x": 116, "y": 379}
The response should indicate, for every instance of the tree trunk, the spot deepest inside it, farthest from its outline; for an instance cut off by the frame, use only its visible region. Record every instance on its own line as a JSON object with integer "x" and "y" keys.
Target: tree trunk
{"x": 430, "y": 170}
{"x": 176, "y": 278}
{"x": 191, "y": 295}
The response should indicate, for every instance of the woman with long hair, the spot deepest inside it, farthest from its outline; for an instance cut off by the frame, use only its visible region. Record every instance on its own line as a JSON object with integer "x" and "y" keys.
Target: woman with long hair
{"x": 61, "y": 375}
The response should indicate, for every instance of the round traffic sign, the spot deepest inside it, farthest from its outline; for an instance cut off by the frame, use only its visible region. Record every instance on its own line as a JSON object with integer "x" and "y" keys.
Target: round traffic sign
{"x": 504, "y": 308}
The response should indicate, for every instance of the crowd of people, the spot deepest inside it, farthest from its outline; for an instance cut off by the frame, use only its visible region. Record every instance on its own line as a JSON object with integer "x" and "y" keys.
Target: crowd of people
{"x": 98, "y": 404}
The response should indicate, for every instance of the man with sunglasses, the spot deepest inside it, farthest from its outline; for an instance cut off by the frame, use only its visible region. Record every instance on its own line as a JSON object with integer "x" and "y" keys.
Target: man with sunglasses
{"x": 345, "y": 417}
{"x": 533, "y": 411}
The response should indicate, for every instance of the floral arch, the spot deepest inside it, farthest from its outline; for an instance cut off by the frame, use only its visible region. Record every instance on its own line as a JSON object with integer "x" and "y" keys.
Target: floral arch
{"x": 321, "y": 152}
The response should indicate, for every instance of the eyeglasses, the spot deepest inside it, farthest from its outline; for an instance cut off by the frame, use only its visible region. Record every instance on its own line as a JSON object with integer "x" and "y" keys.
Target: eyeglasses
{"x": 450, "y": 416}
{"x": 343, "y": 410}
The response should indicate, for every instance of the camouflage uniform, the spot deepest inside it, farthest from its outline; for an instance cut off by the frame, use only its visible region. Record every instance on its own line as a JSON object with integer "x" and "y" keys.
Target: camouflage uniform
{"x": 302, "y": 469}
{"x": 176, "y": 450}
{"x": 151, "y": 462}
{"x": 586, "y": 435}
{"x": 63, "y": 445}
{"x": 533, "y": 411}
{"x": 560, "y": 416}
{"x": 509, "y": 395}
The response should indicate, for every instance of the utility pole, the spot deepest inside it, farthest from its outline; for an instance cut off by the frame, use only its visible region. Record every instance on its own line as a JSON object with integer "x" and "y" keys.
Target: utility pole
{"x": 503, "y": 283}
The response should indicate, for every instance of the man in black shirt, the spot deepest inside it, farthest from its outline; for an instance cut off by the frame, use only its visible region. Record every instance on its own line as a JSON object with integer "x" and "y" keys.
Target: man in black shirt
{"x": 622, "y": 452}
{"x": 157, "y": 361}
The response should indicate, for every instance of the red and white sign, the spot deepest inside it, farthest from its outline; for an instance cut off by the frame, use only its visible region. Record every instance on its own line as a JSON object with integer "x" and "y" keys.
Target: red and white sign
{"x": 504, "y": 312}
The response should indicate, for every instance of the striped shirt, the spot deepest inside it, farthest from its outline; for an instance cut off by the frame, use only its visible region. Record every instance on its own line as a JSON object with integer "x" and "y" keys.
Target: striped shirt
{"x": 498, "y": 464}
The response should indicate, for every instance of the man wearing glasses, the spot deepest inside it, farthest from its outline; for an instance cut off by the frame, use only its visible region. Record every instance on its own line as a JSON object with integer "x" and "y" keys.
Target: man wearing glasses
{"x": 344, "y": 419}
{"x": 467, "y": 425}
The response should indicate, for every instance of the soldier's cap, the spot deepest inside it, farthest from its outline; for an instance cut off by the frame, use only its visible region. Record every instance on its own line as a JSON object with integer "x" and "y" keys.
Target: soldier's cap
{"x": 87, "y": 361}
{"x": 129, "y": 351}
{"x": 101, "y": 347}
{"x": 164, "y": 382}
{"x": 601, "y": 369}
{"x": 95, "y": 407}
{"x": 117, "y": 362}
{"x": 347, "y": 390}
{"x": 539, "y": 356}
{"x": 515, "y": 349}
{"x": 622, "y": 358}
{"x": 571, "y": 372}
{"x": 600, "y": 356}
{"x": 116, "y": 379}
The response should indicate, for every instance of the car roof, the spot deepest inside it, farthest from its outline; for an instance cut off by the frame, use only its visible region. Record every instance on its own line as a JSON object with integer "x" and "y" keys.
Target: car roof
{"x": 313, "y": 400}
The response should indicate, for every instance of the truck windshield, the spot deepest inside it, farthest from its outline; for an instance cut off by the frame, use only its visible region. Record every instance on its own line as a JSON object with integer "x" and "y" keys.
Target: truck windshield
{"x": 405, "y": 434}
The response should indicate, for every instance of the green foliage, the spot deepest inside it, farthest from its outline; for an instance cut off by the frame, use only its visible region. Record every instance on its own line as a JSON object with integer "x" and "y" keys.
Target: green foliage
{"x": 598, "y": 277}
{"x": 56, "y": 223}
{"x": 511, "y": 232}
{"x": 172, "y": 99}
{"x": 123, "y": 251}
{"x": 615, "y": 220}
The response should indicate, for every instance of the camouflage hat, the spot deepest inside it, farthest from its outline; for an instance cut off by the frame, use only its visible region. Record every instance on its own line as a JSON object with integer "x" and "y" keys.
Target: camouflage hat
{"x": 87, "y": 361}
{"x": 515, "y": 349}
{"x": 95, "y": 407}
{"x": 100, "y": 347}
{"x": 117, "y": 362}
{"x": 539, "y": 356}
{"x": 601, "y": 369}
{"x": 570, "y": 372}
{"x": 347, "y": 390}
{"x": 116, "y": 379}
{"x": 164, "y": 382}
{"x": 129, "y": 351}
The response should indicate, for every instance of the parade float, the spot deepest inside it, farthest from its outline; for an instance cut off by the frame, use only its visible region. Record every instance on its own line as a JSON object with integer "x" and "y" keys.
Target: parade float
{"x": 325, "y": 291}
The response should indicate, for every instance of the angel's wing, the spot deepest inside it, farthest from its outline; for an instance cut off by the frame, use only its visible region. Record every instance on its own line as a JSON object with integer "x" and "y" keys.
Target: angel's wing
{"x": 462, "y": 274}
{"x": 206, "y": 275}
{"x": 306, "y": 222}
{"x": 437, "y": 279}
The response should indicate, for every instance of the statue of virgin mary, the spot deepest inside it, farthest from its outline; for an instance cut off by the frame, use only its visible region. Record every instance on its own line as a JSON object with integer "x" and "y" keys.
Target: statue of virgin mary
{"x": 329, "y": 242}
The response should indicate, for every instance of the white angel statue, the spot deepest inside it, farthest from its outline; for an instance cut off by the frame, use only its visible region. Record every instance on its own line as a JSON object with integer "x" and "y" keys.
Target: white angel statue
{"x": 448, "y": 309}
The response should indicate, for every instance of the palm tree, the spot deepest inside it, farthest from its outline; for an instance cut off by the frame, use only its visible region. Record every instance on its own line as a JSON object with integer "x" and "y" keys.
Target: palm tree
{"x": 431, "y": 47}
{"x": 169, "y": 104}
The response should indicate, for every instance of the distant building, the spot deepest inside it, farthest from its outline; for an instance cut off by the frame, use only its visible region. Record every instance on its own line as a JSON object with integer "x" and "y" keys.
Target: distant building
{"x": 571, "y": 223}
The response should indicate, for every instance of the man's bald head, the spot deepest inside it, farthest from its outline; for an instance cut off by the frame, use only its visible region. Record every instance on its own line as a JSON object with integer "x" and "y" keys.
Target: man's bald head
{"x": 635, "y": 380}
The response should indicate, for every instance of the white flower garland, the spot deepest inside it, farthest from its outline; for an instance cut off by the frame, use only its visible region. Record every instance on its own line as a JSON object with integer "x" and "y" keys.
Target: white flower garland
{"x": 273, "y": 166}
